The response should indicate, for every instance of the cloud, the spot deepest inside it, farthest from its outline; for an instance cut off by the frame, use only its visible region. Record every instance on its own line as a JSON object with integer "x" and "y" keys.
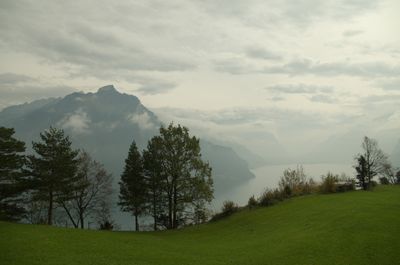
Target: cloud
{"x": 389, "y": 85}
{"x": 362, "y": 69}
{"x": 261, "y": 53}
{"x": 21, "y": 92}
{"x": 91, "y": 45}
{"x": 143, "y": 120}
{"x": 352, "y": 33}
{"x": 299, "y": 89}
{"x": 13, "y": 79}
{"x": 78, "y": 122}
{"x": 323, "y": 99}
{"x": 155, "y": 87}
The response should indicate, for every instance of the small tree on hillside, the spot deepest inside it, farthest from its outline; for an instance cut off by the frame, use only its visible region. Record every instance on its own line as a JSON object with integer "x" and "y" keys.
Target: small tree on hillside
{"x": 93, "y": 190}
{"x": 371, "y": 162}
{"x": 185, "y": 178}
{"x": 53, "y": 169}
{"x": 11, "y": 175}
{"x": 133, "y": 190}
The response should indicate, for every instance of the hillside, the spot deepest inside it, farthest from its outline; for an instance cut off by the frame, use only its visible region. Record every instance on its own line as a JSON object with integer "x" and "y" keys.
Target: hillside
{"x": 350, "y": 228}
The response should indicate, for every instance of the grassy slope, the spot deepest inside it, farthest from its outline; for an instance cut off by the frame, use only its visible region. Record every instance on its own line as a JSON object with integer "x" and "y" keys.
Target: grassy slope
{"x": 350, "y": 228}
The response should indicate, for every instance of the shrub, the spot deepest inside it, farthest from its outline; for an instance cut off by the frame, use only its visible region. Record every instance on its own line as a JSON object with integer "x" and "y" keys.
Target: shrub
{"x": 328, "y": 184}
{"x": 252, "y": 203}
{"x": 384, "y": 181}
{"x": 270, "y": 197}
{"x": 107, "y": 225}
{"x": 292, "y": 180}
{"x": 229, "y": 207}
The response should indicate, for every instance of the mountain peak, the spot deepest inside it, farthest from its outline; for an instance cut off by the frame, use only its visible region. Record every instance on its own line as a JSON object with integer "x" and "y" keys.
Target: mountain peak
{"x": 107, "y": 89}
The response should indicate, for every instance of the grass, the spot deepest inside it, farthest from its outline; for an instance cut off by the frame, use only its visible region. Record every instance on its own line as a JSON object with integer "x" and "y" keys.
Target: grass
{"x": 348, "y": 228}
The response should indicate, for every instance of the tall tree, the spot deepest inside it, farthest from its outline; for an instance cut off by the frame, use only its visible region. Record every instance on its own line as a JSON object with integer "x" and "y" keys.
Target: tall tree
{"x": 186, "y": 178}
{"x": 11, "y": 175}
{"x": 361, "y": 169}
{"x": 371, "y": 162}
{"x": 152, "y": 163}
{"x": 93, "y": 189}
{"x": 133, "y": 190}
{"x": 53, "y": 169}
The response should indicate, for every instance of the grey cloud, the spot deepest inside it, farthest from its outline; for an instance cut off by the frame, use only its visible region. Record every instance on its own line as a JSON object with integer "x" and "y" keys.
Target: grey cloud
{"x": 299, "y": 89}
{"x": 390, "y": 85}
{"x": 89, "y": 43}
{"x": 352, "y": 33}
{"x": 323, "y": 99}
{"x": 13, "y": 79}
{"x": 365, "y": 69}
{"x": 154, "y": 88}
{"x": 277, "y": 98}
{"x": 17, "y": 94}
{"x": 261, "y": 53}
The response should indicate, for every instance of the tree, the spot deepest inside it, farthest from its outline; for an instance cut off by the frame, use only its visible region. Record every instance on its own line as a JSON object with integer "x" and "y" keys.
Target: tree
{"x": 389, "y": 173}
{"x": 53, "y": 170}
{"x": 12, "y": 161}
{"x": 152, "y": 165}
{"x": 371, "y": 162}
{"x": 294, "y": 181}
{"x": 93, "y": 189}
{"x": 361, "y": 169}
{"x": 133, "y": 190}
{"x": 184, "y": 178}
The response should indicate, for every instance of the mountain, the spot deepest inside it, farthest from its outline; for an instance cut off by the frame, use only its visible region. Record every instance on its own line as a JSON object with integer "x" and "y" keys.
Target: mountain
{"x": 229, "y": 170}
{"x": 105, "y": 123}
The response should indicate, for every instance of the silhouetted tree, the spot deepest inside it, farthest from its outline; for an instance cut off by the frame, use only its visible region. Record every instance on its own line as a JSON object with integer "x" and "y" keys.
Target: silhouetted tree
{"x": 53, "y": 169}
{"x": 361, "y": 169}
{"x": 12, "y": 161}
{"x": 133, "y": 189}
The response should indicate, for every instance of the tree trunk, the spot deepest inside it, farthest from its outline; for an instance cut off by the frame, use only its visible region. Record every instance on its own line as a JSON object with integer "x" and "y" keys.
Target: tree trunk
{"x": 136, "y": 223}
{"x": 155, "y": 210}
{"x": 170, "y": 223}
{"x": 50, "y": 210}
{"x": 175, "y": 221}
{"x": 81, "y": 220}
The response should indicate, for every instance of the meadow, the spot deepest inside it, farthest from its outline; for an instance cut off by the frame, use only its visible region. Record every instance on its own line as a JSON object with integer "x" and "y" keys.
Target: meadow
{"x": 359, "y": 227}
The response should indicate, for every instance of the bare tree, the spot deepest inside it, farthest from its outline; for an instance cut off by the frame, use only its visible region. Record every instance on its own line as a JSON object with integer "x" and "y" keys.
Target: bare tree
{"x": 389, "y": 172}
{"x": 94, "y": 191}
{"x": 374, "y": 159}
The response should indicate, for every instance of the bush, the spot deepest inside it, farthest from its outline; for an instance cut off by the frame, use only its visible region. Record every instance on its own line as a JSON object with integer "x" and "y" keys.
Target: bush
{"x": 384, "y": 181}
{"x": 228, "y": 208}
{"x": 328, "y": 184}
{"x": 270, "y": 197}
{"x": 295, "y": 182}
{"x": 107, "y": 225}
{"x": 252, "y": 203}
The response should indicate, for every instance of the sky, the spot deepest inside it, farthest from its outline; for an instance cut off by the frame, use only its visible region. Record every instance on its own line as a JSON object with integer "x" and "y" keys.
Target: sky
{"x": 296, "y": 71}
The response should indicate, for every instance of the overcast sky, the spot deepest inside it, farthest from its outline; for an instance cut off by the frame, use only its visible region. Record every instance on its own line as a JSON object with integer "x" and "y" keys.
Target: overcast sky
{"x": 300, "y": 70}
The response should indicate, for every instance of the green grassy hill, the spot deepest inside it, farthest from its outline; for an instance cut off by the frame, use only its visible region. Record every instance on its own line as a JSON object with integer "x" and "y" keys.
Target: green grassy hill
{"x": 349, "y": 228}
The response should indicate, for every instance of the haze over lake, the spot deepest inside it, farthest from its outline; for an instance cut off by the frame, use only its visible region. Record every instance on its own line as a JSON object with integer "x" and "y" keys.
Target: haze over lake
{"x": 268, "y": 177}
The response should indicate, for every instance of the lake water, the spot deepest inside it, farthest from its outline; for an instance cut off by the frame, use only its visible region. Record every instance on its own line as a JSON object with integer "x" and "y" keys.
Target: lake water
{"x": 268, "y": 177}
